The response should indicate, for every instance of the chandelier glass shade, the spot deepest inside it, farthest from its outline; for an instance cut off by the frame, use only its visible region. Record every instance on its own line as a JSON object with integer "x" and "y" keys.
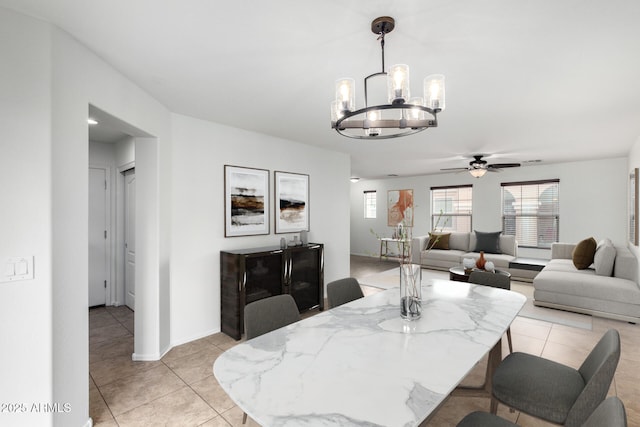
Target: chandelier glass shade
{"x": 402, "y": 115}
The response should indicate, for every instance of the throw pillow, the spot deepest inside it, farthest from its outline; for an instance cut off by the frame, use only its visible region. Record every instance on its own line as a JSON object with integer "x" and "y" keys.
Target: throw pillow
{"x": 488, "y": 242}
{"x": 604, "y": 258}
{"x": 583, "y": 253}
{"x": 438, "y": 241}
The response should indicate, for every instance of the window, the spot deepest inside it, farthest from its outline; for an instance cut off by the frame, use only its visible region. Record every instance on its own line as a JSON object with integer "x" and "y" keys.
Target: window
{"x": 369, "y": 204}
{"x": 530, "y": 211}
{"x": 451, "y": 208}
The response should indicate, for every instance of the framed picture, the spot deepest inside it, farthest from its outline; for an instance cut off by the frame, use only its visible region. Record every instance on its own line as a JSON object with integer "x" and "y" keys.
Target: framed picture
{"x": 246, "y": 201}
{"x": 291, "y": 202}
{"x": 400, "y": 208}
{"x": 633, "y": 207}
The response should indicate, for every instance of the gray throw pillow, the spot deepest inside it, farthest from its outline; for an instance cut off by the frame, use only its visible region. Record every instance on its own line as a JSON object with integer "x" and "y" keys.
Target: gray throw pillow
{"x": 488, "y": 242}
{"x": 604, "y": 259}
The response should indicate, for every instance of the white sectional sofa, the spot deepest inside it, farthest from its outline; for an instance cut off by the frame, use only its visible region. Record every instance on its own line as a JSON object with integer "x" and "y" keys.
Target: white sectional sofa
{"x": 616, "y": 296}
{"x": 461, "y": 245}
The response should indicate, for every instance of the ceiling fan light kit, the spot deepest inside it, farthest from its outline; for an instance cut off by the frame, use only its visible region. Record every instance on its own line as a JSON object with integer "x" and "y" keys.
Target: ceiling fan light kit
{"x": 477, "y": 173}
{"x": 478, "y": 167}
{"x": 402, "y": 115}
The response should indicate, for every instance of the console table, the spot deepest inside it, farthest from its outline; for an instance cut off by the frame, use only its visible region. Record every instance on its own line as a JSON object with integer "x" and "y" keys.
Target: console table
{"x": 247, "y": 275}
{"x": 402, "y": 245}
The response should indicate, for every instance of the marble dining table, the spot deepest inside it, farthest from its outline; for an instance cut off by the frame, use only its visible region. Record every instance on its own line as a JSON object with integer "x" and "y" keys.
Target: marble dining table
{"x": 361, "y": 364}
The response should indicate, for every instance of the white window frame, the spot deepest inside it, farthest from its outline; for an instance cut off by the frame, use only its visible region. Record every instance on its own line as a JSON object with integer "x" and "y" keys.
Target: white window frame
{"x": 454, "y": 218}
{"x": 368, "y": 209}
{"x": 534, "y": 220}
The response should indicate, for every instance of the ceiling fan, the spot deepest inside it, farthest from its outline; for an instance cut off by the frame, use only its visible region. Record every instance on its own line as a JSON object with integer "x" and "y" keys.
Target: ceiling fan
{"x": 478, "y": 167}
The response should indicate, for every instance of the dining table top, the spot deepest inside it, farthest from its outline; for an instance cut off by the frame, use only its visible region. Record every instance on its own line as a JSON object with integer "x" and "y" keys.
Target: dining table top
{"x": 361, "y": 364}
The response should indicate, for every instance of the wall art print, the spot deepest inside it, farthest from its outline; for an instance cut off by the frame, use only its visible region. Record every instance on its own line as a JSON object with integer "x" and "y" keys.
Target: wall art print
{"x": 291, "y": 202}
{"x": 400, "y": 208}
{"x": 633, "y": 207}
{"x": 246, "y": 201}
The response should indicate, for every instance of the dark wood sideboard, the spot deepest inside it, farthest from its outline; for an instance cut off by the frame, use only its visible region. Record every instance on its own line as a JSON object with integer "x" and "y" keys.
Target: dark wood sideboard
{"x": 247, "y": 275}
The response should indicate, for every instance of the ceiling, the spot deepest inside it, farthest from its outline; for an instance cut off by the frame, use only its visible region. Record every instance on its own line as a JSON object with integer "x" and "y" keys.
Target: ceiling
{"x": 526, "y": 80}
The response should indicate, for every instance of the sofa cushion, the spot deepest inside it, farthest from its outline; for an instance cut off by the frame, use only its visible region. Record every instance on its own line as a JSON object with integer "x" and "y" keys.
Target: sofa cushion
{"x": 438, "y": 241}
{"x": 587, "y": 286}
{"x": 459, "y": 241}
{"x": 604, "y": 258}
{"x": 488, "y": 242}
{"x": 566, "y": 265}
{"x": 452, "y": 255}
{"x": 583, "y": 253}
{"x": 626, "y": 264}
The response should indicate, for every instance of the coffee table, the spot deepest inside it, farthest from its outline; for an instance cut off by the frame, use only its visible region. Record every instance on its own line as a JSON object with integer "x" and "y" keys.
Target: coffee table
{"x": 457, "y": 274}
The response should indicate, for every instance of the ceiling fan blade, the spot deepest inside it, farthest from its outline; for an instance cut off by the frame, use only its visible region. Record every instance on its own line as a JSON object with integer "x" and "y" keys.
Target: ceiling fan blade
{"x": 455, "y": 169}
{"x": 503, "y": 165}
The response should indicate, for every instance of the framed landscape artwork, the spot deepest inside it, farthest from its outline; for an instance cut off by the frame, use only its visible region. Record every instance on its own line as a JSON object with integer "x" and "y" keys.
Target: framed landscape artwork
{"x": 291, "y": 202}
{"x": 400, "y": 208}
{"x": 246, "y": 201}
{"x": 633, "y": 207}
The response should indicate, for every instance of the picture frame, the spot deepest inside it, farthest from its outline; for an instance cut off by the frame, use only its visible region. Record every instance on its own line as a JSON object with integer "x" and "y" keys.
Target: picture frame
{"x": 246, "y": 201}
{"x": 400, "y": 208}
{"x": 291, "y": 202}
{"x": 633, "y": 206}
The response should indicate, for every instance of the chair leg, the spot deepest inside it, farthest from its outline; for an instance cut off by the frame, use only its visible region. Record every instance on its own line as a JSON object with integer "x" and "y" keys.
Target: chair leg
{"x": 494, "y": 406}
{"x": 509, "y": 339}
{"x": 244, "y": 418}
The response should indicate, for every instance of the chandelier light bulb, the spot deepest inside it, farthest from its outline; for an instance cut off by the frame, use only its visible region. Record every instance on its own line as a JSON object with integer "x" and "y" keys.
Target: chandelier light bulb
{"x": 372, "y": 116}
{"x": 434, "y": 91}
{"x": 398, "y": 83}
{"x": 345, "y": 94}
{"x": 416, "y": 113}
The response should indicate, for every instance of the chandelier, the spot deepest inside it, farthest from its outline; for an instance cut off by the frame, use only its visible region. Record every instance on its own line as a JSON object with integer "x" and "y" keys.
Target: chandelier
{"x": 402, "y": 115}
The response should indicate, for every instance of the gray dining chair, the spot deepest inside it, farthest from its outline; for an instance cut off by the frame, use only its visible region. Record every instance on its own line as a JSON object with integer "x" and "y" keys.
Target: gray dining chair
{"x": 610, "y": 413}
{"x": 555, "y": 392}
{"x": 269, "y": 314}
{"x": 495, "y": 280}
{"x": 343, "y": 291}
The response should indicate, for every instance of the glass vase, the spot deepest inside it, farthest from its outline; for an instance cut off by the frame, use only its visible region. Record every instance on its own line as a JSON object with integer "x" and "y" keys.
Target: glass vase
{"x": 410, "y": 291}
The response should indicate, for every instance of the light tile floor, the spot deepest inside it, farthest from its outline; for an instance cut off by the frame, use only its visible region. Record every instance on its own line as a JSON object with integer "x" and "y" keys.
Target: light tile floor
{"x": 180, "y": 390}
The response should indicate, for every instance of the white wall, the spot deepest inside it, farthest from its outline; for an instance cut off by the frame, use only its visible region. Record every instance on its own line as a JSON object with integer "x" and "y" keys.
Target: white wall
{"x": 592, "y": 202}
{"x": 47, "y": 87}
{"x": 54, "y": 79}
{"x": 25, "y": 216}
{"x": 200, "y": 151}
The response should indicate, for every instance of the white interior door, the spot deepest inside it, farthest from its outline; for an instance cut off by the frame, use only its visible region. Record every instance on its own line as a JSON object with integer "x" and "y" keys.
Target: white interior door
{"x": 98, "y": 248}
{"x": 130, "y": 238}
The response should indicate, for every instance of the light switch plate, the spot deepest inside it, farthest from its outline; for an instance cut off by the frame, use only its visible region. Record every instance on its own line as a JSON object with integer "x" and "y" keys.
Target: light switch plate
{"x": 16, "y": 268}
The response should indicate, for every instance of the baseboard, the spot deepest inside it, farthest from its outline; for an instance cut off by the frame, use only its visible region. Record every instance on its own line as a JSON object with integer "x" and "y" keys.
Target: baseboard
{"x": 194, "y": 337}
{"x": 146, "y": 357}
{"x": 157, "y": 356}
{"x": 596, "y": 313}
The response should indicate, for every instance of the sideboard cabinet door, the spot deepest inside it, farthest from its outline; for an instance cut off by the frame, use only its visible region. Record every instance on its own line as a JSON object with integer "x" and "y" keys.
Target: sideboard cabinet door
{"x": 305, "y": 281}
